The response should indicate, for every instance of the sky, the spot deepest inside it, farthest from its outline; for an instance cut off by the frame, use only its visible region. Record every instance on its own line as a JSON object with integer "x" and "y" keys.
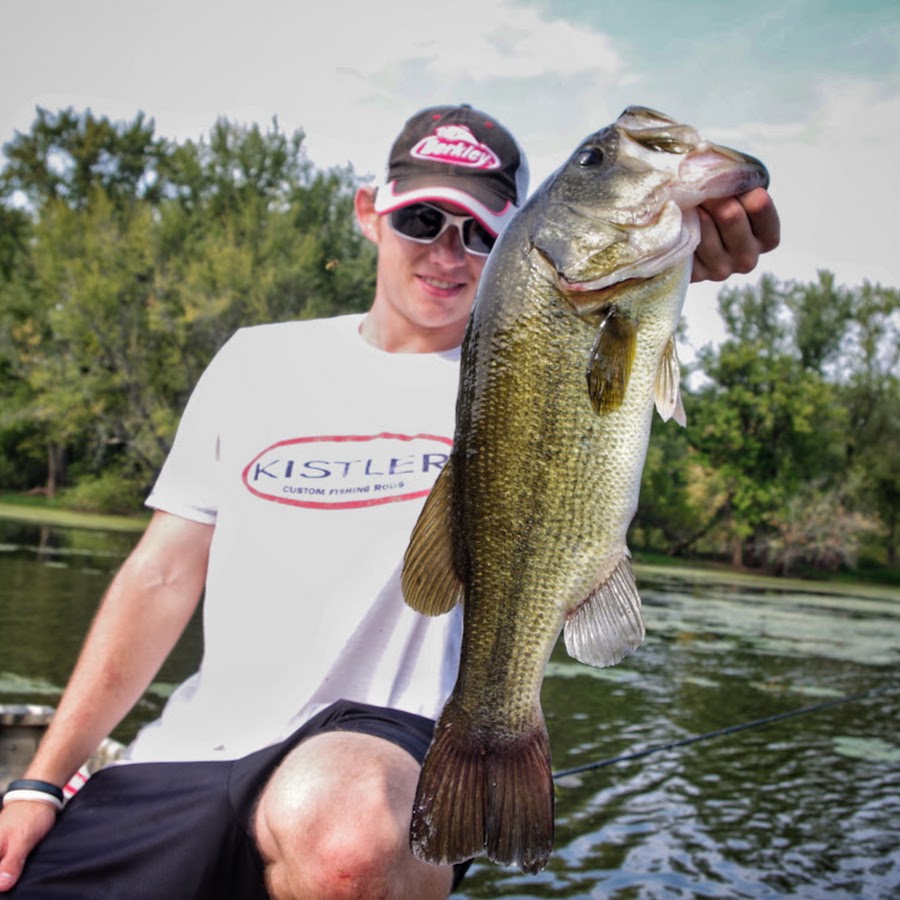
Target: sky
{"x": 811, "y": 87}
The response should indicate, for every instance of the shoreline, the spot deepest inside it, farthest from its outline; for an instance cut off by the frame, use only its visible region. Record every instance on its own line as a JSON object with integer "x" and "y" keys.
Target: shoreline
{"x": 70, "y": 518}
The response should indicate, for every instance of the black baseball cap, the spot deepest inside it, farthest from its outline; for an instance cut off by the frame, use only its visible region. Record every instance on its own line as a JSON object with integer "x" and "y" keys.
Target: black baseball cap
{"x": 461, "y": 155}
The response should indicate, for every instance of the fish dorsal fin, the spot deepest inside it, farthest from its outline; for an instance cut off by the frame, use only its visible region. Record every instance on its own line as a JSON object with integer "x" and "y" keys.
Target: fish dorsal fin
{"x": 430, "y": 581}
{"x": 608, "y": 625}
{"x": 612, "y": 355}
{"x": 667, "y": 387}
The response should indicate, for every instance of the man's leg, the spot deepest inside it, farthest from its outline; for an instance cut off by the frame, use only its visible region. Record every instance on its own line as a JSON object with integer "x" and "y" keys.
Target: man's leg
{"x": 157, "y": 831}
{"x": 333, "y": 822}
{"x": 147, "y": 831}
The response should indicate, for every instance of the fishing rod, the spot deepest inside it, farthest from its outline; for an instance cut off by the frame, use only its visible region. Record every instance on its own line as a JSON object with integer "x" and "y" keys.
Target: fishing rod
{"x": 730, "y": 729}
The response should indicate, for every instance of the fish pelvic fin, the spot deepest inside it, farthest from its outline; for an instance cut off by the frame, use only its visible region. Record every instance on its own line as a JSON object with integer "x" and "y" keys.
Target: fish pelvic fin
{"x": 485, "y": 795}
{"x": 608, "y": 625}
{"x": 667, "y": 387}
{"x": 430, "y": 581}
{"x": 612, "y": 356}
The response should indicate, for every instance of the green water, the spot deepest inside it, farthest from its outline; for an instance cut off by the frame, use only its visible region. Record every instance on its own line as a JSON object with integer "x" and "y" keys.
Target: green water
{"x": 51, "y": 580}
{"x": 808, "y": 806}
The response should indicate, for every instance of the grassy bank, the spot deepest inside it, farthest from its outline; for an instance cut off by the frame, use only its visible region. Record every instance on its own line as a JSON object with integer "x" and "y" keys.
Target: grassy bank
{"x": 40, "y": 512}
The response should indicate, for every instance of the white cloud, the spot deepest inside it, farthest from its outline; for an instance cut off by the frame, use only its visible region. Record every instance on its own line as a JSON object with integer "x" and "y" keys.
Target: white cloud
{"x": 474, "y": 39}
{"x": 837, "y": 184}
{"x": 532, "y": 47}
{"x": 533, "y": 73}
{"x": 348, "y": 75}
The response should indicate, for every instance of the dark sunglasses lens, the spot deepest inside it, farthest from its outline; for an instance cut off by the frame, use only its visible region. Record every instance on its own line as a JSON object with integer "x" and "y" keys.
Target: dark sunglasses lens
{"x": 419, "y": 222}
{"x": 477, "y": 238}
{"x": 422, "y": 222}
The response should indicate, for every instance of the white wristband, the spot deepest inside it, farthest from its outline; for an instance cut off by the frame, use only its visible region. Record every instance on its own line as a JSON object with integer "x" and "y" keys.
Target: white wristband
{"x": 39, "y": 796}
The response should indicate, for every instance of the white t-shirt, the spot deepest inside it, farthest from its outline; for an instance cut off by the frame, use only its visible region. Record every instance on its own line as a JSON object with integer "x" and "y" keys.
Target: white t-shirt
{"x": 312, "y": 452}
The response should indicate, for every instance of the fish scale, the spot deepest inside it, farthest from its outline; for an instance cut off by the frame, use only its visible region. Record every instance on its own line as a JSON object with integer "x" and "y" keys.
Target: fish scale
{"x": 569, "y": 347}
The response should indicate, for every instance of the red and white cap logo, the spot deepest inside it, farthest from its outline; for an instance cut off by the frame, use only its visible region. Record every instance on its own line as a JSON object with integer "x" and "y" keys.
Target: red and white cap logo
{"x": 455, "y": 145}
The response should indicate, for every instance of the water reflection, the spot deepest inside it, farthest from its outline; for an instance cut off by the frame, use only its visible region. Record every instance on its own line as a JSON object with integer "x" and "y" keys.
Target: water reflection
{"x": 51, "y": 580}
{"x": 805, "y": 807}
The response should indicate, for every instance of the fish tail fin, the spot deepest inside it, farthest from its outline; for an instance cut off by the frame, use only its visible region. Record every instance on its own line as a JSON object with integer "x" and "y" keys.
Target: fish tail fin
{"x": 483, "y": 796}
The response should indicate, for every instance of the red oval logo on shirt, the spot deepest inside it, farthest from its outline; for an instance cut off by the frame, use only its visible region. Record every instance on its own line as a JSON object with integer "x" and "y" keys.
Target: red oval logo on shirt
{"x": 347, "y": 471}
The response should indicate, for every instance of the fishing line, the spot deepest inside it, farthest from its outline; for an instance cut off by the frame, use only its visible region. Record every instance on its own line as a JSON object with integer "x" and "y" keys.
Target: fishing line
{"x": 730, "y": 729}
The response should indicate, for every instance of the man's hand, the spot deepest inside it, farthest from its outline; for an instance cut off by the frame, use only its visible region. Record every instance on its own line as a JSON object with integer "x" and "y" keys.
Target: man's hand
{"x": 23, "y": 825}
{"x": 734, "y": 232}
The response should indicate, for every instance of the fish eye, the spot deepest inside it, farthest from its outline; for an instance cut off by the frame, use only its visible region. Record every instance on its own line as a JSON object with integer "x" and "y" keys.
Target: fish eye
{"x": 590, "y": 156}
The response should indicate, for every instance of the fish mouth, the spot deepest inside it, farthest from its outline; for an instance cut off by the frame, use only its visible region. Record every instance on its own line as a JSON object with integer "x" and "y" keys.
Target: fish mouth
{"x": 711, "y": 171}
{"x": 587, "y": 299}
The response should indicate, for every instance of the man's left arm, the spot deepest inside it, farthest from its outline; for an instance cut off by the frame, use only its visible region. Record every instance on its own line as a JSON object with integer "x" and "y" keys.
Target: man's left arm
{"x": 734, "y": 233}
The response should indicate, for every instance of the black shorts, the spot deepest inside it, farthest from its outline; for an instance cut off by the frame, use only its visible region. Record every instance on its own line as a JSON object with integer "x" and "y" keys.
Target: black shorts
{"x": 181, "y": 830}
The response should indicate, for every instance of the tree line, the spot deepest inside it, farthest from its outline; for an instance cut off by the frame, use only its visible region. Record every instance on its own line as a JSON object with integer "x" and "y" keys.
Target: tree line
{"x": 126, "y": 260}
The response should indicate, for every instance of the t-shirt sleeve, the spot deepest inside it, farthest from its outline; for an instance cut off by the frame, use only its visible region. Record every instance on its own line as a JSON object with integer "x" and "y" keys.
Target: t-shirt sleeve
{"x": 187, "y": 485}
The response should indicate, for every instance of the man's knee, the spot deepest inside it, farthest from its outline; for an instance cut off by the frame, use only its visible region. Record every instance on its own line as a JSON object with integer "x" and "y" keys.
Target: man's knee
{"x": 334, "y": 822}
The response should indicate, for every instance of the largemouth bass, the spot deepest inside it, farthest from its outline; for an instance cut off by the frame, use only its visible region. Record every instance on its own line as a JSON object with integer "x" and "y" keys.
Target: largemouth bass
{"x": 569, "y": 347}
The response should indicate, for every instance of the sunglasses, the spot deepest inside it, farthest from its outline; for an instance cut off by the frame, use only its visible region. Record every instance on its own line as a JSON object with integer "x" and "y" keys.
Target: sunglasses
{"x": 424, "y": 224}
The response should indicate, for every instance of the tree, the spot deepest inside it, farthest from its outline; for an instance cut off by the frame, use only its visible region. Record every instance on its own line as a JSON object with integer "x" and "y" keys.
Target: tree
{"x": 22, "y": 453}
{"x": 138, "y": 258}
{"x": 821, "y": 315}
{"x": 83, "y": 181}
{"x": 680, "y": 498}
{"x": 765, "y": 423}
{"x": 800, "y": 419}
{"x": 870, "y": 391}
{"x": 66, "y": 156}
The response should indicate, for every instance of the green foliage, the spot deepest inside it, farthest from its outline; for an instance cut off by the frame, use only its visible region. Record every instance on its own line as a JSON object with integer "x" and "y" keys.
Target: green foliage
{"x": 821, "y": 314}
{"x": 126, "y": 261}
{"x": 675, "y": 494}
{"x": 112, "y": 491}
{"x": 793, "y": 437}
{"x": 67, "y": 155}
{"x": 870, "y": 391}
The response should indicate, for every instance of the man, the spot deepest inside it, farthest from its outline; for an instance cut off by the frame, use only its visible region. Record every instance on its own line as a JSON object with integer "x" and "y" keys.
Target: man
{"x": 287, "y": 765}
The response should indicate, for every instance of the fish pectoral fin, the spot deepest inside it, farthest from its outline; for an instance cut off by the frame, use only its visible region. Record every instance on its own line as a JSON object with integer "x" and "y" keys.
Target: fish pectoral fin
{"x": 612, "y": 356}
{"x": 608, "y": 625}
{"x": 667, "y": 387}
{"x": 430, "y": 581}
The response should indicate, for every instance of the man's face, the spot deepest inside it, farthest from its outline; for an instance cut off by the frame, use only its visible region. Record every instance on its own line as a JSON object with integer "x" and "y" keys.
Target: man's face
{"x": 424, "y": 292}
